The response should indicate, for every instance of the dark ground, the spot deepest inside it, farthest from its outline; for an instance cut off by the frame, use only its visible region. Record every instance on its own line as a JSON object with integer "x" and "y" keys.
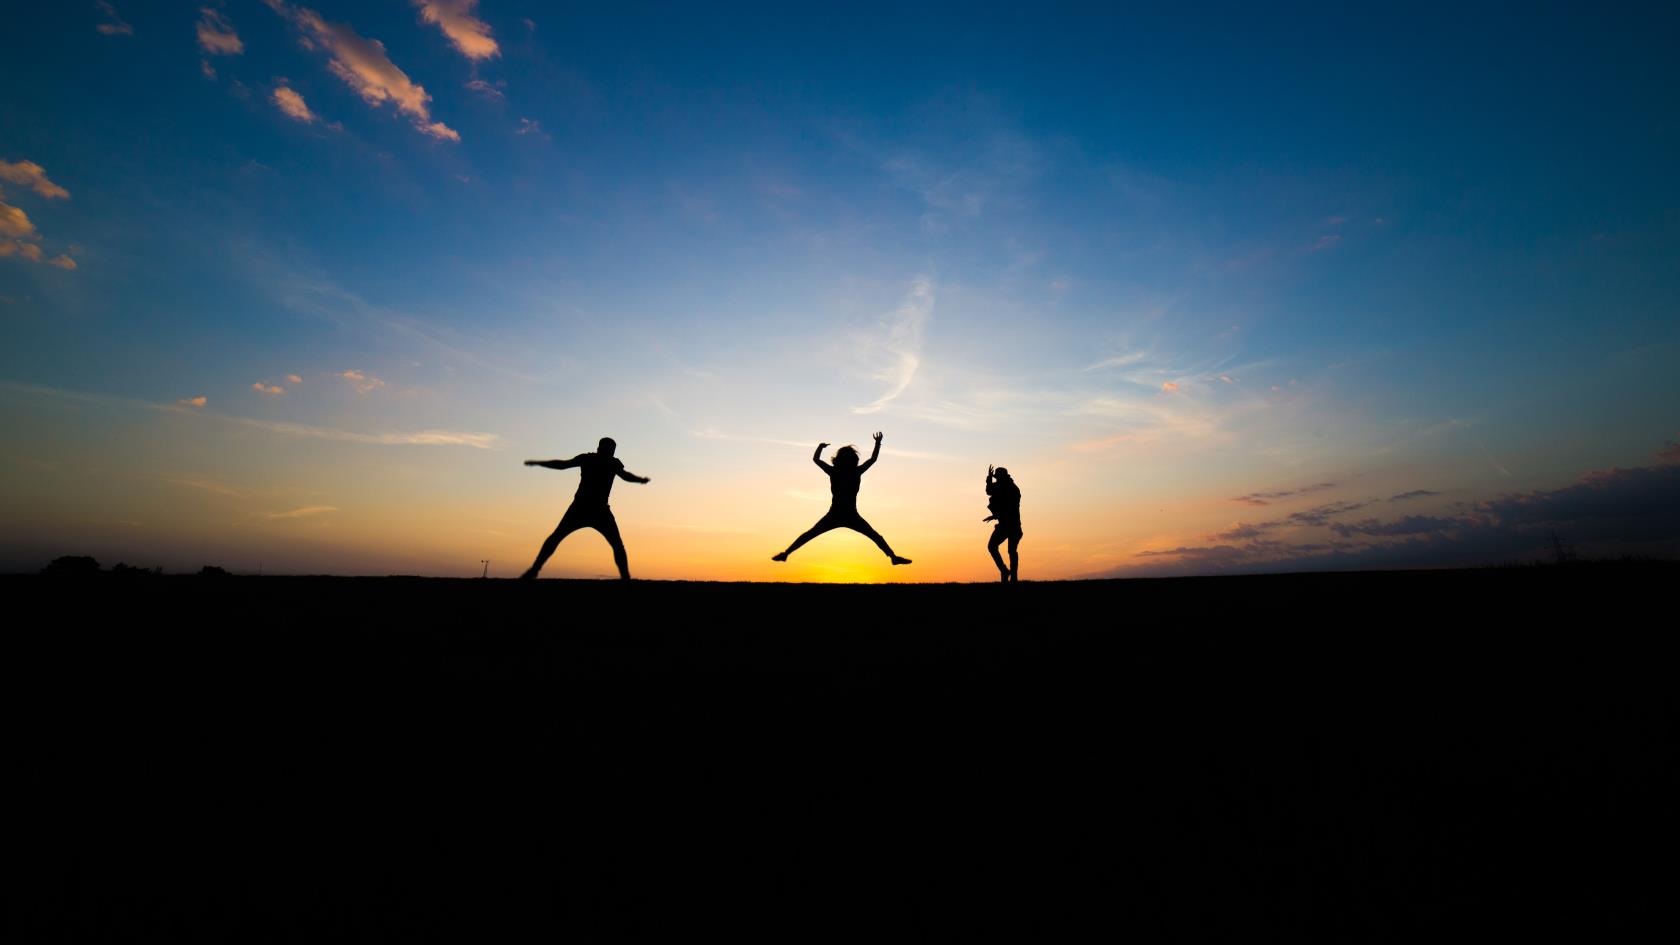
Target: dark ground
{"x": 1356, "y": 757}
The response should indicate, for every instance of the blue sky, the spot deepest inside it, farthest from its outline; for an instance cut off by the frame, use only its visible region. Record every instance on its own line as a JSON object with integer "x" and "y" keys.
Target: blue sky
{"x": 1154, "y": 262}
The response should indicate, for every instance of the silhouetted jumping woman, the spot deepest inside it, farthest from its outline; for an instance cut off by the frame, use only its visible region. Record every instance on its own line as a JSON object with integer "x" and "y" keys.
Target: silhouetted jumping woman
{"x": 844, "y": 477}
{"x": 1005, "y": 506}
{"x": 589, "y": 507}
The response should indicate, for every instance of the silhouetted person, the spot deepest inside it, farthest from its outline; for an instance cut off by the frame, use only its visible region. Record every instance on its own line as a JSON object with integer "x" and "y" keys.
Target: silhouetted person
{"x": 1005, "y": 506}
{"x": 589, "y": 507}
{"x": 844, "y": 477}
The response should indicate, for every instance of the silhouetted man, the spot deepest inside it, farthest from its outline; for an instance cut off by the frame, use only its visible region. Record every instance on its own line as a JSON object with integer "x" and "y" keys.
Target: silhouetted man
{"x": 1005, "y": 506}
{"x": 589, "y": 507}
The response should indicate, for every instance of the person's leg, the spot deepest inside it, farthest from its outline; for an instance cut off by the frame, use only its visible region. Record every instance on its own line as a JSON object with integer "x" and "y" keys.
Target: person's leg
{"x": 568, "y": 524}
{"x": 992, "y": 546}
{"x": 823, "y": 524}
{"x": 1015, "y": 557}
{"x": 858, "y": 524}
{"x": 608, "y": 527}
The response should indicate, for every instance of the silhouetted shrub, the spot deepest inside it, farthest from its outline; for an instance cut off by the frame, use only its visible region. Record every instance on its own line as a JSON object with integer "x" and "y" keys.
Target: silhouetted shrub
{"x": 211, "y": 570}
{"x": 71, "y": 566}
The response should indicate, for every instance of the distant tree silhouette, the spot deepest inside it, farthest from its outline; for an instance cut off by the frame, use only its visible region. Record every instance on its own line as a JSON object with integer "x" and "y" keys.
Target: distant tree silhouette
{"x": 71, "y": 566}
{"x": 211, "y": 571}
{"x": 845, "y": 477}
{"x": 1005, "y": 506}
{"x": 589, "y": 507}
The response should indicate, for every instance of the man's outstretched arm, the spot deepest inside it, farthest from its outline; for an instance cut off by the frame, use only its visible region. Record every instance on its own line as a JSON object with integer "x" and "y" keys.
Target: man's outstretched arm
{"x": 629, "y": 476}
{"x": 817, "y": 457}
{"x": 872, "y": 456}
{"x": 555, "y": 463}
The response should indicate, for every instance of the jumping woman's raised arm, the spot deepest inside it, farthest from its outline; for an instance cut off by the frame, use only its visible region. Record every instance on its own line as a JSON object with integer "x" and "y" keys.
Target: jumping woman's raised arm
{"x": 817, "y": 458}
{"x": 554, "y": 463}
{"x": 872, "y": 456}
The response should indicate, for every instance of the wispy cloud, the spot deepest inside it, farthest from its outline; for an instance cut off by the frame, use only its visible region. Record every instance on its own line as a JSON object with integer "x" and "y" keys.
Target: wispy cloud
{"x": 198, "y": 401}
{"x": 293, "y": 379}
{"x": 271, "y": 390}
{"x": 486, "y": 88}
{"x": 307, "y": 511}
{"x": 467, "y": 33}
{"x": 365, "y": 67}
{"x": 33, "y": 176}
{"x": 1267, "y": 498}
{"x": 901, "y": 342}
{"x": 364, "y": 383}
{"x": 114, "y": 24}
{"x": 292, "y": 104}
{"x": 216, "y": 35}
{"x": 482, "y": 441}
{"x": 1414, "y": 494}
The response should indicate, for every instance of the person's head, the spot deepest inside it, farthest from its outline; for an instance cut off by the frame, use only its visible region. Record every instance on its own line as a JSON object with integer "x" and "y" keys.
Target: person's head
{"x": 1002, "y": 473}
{"x": 606, "y": 446}
{"x": 846, "y": 456}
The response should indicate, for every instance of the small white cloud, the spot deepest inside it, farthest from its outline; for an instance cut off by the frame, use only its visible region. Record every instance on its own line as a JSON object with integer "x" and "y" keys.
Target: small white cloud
{"x": 294, "y": 379}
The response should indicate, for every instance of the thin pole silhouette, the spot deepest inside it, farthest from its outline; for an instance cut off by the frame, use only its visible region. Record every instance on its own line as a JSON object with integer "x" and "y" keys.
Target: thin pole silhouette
{"x": 589, "y": 507}
{"x": 845, "y": 476}
{"x": 1005, "y": 506}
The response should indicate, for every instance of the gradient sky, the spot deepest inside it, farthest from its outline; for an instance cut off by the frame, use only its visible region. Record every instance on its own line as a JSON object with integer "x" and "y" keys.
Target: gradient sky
{"x": 297, "y": 286}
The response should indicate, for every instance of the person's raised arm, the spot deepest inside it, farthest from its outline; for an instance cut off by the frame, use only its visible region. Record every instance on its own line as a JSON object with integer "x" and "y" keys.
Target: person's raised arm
{"x": 872, "y": 456}
{"x": 629, "y": 476}
{"x": 817, "y": 458}
{"x": 555, "y": 463}
{"x": 990, "y": 476}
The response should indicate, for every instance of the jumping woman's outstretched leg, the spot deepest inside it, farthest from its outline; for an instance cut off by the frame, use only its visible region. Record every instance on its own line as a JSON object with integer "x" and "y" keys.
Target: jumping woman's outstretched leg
{"x": 823, "y": 525}
{"x": 857, "y": 524}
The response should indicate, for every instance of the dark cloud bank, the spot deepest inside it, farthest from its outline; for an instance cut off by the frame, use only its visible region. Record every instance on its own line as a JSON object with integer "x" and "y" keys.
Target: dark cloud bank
{"x": 1604, "y": 514}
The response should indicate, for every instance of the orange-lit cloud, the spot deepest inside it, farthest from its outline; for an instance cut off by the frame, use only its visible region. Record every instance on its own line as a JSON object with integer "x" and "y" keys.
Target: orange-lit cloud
{"x": 14, "y": 223}
{"x": 1168, "y": 387}
{"x": 198, "y": 401}
{"x": 115, "y": 26}
{"x": 33, "y": 253}
{"x": 292, "y": 104}
{"x": 270, "y": 389}
{"x": 365, "y": 383}
{"x": 32, "y": 175}
{"x": 216, "y": 35}
{"x": 364, "y": 66}
{"x": 293, "y": 379}
{"x": 469, "y": 34}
